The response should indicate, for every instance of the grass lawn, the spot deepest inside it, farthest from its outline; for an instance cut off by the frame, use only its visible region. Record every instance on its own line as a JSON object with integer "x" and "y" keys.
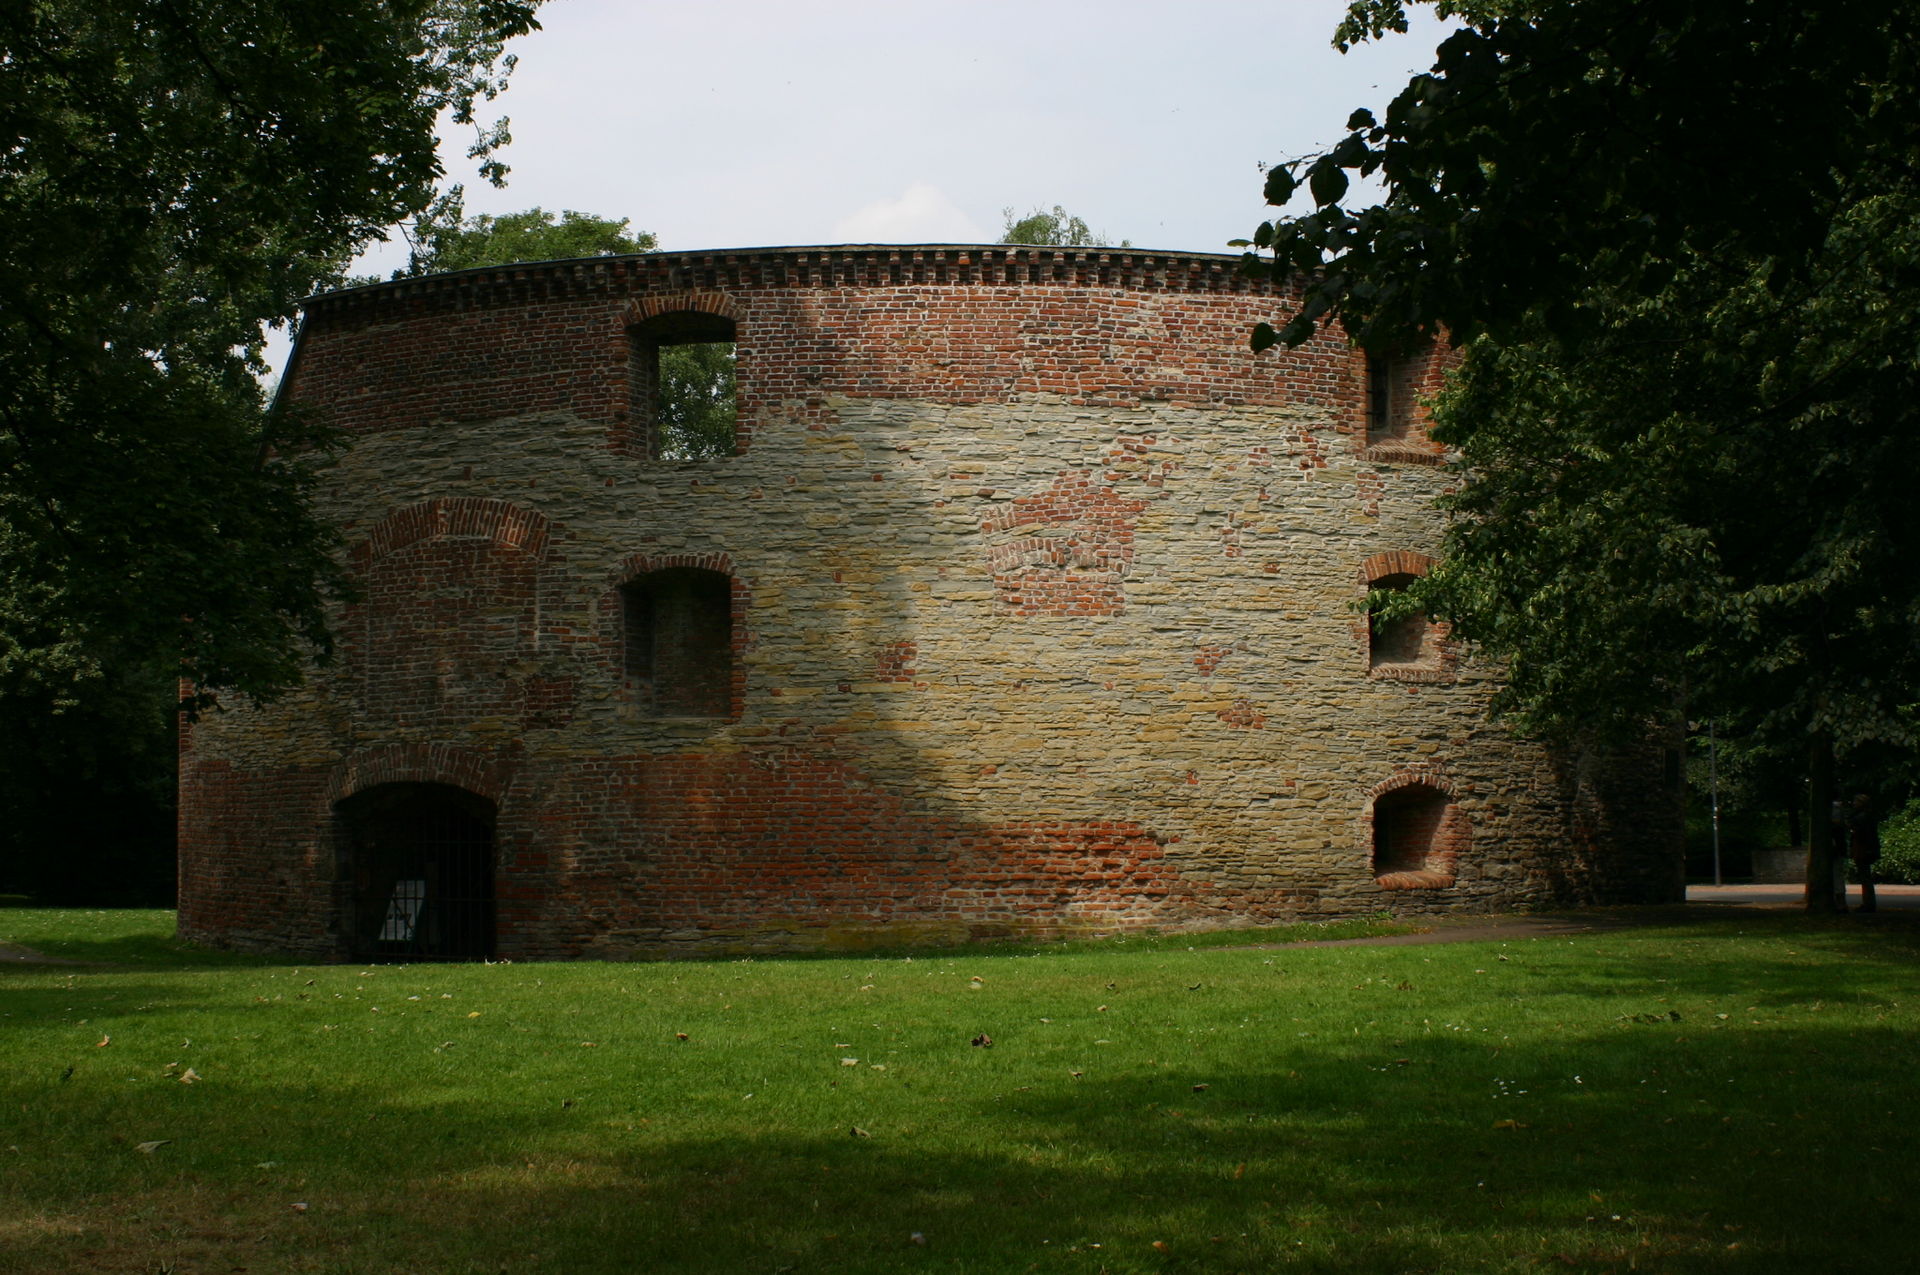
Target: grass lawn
{"x": 1729, "y": 1095}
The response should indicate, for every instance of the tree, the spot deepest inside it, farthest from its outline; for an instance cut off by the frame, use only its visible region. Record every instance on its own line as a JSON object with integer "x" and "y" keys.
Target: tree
{"x": 176, "y": 176}
{"x": 697, "y": 385}
{"x": 697, "y": 414}
{"x": 1055, "y": 229}
{"x": 444, "y": 238}
{"x": 1675, "y": 243}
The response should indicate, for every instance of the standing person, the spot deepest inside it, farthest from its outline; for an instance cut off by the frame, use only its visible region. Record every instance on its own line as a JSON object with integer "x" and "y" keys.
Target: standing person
{"x": 1863, "y": 847}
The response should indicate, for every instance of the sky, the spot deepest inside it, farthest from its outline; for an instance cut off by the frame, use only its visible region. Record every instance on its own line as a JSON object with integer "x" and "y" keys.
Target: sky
{"x": 758, "y": 123}
{"x": 770, "y": 122}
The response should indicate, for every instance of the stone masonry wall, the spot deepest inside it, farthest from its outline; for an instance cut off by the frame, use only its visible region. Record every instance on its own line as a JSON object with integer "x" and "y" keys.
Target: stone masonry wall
{"x": 1044, "y": 594}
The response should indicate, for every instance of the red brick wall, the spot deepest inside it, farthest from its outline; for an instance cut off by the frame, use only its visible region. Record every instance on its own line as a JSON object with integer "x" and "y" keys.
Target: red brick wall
{"x": 1058, "y": 634}
{"x": 961, "y": 325}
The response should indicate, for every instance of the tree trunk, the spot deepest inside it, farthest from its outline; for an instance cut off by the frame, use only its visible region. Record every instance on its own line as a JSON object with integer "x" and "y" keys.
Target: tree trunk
{"x": 1820, "y": 848}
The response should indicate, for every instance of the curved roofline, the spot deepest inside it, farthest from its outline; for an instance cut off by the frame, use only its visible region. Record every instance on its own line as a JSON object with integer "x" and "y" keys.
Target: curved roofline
{"x": 951, "y": 254}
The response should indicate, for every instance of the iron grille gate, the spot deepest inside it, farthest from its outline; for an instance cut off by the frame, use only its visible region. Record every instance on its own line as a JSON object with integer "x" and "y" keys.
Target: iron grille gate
{"x": 423, "y": 879}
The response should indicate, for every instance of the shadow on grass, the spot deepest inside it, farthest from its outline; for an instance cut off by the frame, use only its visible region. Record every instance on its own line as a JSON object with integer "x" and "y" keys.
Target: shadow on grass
{"x": 1335, "y": 1163}
{"x": 1559, "y": 1119}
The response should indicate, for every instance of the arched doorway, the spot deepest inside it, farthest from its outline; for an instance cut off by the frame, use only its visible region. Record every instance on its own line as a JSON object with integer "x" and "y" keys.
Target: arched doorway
{"x": 420, "y": 862}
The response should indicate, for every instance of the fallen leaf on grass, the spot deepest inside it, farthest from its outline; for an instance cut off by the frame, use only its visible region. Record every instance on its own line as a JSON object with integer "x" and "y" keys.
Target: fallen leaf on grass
{"x": 188, "y": 1076}
{"x": 474, "y": 1014}
{"x": 148, "y": 1148}
{"x": 679, "y": 1035}
{"x": 1508, "y": 1124}
{"x": 104, "y": 1042}
{"x": 1239, "y": 1170}
{"x": 858, "y": 1132}
{"x": 849, "y": 1062}
{"x": 298, "y": 1206}
{"x": 1160, "y": 1245}
{"x": 983, "y": 1041}
{"x": 1199, "y": 1088}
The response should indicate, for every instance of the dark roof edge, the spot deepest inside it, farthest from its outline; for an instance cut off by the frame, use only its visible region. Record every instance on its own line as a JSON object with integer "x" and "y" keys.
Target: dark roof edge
{"x": 1218, "y": 264}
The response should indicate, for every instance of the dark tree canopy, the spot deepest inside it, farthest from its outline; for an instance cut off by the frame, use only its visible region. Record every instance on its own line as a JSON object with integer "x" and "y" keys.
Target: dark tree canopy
{"x": 181, "y": 175}
{"x": 175, "y": 176}
{"x": 1678, "y": 243}
{"x": 1560, "y": 144}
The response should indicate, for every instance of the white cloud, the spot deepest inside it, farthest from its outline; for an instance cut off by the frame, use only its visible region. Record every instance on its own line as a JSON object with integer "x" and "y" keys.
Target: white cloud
{"x": 921, "y": 214}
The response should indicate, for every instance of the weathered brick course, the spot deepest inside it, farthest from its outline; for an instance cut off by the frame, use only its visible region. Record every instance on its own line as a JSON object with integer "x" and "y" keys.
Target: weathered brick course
{"x": 1044, "y": 605}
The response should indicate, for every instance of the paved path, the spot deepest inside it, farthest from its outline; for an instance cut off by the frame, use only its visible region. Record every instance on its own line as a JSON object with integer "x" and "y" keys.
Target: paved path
{"x": 1891, "y": 898}
{"x": 1704, "y": 902}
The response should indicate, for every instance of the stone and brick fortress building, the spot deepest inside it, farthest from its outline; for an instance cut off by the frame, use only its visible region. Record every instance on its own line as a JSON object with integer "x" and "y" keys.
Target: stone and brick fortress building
{"x": 1030, "y": 600}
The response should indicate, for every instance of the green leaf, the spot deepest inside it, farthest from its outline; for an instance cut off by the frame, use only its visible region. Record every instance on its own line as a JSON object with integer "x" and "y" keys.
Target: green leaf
{"x": 1280, "y": 185}
{"x": 1326, "y": 181}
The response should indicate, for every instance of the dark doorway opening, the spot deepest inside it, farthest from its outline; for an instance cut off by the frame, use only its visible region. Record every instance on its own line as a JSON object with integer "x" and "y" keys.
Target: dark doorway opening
{"x": 421, "y": 870}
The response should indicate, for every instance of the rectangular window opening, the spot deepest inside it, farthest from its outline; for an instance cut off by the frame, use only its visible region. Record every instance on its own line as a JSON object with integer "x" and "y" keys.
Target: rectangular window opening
{"x": 1380, "y": 414}
{"x": 684, "y": 390}
{"x": 679, "y": 642}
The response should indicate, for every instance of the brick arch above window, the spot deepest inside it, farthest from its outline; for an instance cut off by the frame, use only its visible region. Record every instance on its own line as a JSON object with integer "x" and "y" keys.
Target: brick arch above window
{"x": 713, "y": 301}
{"x": 640, "y": 564}
{"x": 1415, "y": 776}
{"x": 499, "y": 521}
{"x": 1395, "y": 562}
